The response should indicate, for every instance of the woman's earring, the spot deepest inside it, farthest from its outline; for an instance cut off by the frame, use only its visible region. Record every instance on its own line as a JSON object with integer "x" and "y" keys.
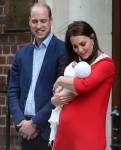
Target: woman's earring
{"x": 93, "y": 43}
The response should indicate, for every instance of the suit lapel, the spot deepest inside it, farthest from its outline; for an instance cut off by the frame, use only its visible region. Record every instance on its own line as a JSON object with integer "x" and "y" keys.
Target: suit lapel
{"x": 48, "y": 54}
{"x": 29, "y": 64}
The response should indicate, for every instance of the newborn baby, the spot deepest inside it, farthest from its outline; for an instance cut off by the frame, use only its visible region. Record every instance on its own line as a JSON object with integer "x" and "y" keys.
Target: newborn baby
{"x": 74, "y": 69}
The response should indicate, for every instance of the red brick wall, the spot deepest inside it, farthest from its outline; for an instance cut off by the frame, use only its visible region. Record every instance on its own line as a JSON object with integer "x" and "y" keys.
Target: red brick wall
{"x": 9, "y": 44}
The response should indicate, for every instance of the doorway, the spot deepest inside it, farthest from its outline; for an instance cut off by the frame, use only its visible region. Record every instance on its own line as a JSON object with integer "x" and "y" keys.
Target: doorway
{"x": 116, "y": 54}
{"x": 116, "y": 51}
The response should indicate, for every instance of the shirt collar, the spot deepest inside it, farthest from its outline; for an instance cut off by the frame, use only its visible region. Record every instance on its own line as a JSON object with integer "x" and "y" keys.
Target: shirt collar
{"x": 45, "y": 42}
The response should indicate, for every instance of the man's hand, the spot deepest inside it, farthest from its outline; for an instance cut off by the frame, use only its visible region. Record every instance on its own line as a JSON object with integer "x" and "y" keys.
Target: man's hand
{"x": 27, "y": 131}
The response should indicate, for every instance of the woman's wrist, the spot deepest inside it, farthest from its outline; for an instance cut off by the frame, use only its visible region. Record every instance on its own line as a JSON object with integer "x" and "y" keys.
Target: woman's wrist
{"x": 54, "y": 101}
{"x": 60, "y": 81}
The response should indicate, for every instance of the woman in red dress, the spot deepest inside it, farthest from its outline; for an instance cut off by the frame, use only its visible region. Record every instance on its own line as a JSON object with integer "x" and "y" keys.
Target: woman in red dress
{"x": 82, "y": 122}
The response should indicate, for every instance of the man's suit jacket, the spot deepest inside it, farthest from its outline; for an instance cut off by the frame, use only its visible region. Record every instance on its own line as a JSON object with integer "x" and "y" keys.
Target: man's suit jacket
{"x": 20, "y": 80}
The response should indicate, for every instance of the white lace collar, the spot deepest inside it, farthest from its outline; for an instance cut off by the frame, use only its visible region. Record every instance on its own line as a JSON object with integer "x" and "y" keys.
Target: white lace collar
{"x": 103, "y": 55}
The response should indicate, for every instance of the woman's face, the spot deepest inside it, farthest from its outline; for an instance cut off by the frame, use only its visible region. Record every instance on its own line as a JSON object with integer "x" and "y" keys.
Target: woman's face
{"x": 82, "y": 45}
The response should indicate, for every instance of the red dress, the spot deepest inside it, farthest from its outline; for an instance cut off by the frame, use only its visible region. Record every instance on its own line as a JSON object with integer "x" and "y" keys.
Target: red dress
{"x": 82, "y": 124}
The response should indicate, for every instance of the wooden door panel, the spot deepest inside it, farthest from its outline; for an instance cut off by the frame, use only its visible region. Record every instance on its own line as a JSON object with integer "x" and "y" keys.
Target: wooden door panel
{"x": 116, "y": 54}
{"x": 116, "y": 51}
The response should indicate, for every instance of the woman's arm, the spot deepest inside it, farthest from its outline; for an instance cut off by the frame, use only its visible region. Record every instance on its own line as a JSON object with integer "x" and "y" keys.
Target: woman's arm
{"x": 62, "y": 99}
{"x": 65, "y": 82}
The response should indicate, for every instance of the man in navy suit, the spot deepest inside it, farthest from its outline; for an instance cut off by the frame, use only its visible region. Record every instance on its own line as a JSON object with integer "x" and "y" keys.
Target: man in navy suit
{"x": 34, "y": 71}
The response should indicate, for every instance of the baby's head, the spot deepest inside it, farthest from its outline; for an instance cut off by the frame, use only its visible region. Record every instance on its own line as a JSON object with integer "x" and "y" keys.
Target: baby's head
{"x": 82, "y": 69}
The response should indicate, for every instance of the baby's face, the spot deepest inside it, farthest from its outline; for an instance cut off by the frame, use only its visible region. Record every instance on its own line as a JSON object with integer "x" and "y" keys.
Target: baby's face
{"x": 74, "y": 63}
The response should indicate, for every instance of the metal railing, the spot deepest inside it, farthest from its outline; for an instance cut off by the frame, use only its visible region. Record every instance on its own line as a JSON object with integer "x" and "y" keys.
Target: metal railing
{"x": 116, "y": 116}
{"x": 8, "y": 121}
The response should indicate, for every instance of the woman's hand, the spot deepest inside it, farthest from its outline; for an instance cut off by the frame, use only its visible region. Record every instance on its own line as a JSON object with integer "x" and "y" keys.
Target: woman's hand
{"x": 65, "y": 82}
{"x": 59, "y": 99}
{"x": 56, "y": 97}
{"x": 57, "y": 84}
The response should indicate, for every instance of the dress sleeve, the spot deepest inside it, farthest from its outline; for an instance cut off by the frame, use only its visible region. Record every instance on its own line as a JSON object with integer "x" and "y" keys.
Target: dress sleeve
{"x": 101, "y": 71}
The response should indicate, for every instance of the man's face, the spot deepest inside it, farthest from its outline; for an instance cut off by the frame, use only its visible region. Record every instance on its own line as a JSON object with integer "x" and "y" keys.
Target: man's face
{"x": 40, "y": 23}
